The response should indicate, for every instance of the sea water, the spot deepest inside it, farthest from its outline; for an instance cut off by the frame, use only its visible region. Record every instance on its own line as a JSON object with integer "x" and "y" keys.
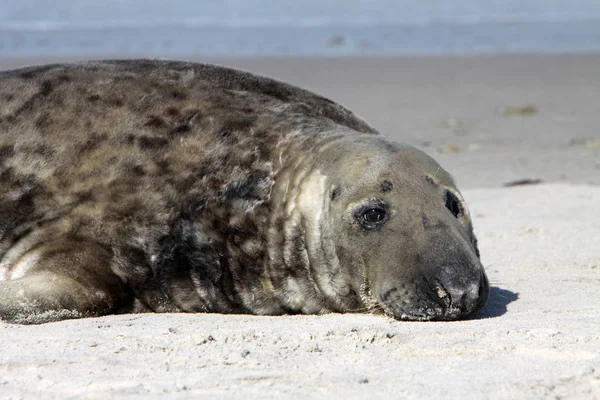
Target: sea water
{"x": 255, "y": 28}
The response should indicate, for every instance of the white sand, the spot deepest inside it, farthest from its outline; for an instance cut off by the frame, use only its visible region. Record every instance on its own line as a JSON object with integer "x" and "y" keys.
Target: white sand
{"x": 539, "y": 336}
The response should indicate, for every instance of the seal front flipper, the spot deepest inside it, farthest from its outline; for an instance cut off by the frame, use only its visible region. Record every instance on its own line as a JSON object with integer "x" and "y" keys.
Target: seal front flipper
{"x": 63, "y": 278}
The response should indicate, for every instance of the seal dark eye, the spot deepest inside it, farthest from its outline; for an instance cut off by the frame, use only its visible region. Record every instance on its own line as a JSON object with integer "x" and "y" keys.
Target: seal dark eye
{"x": 374, "y": 215}
{"x": 453, "y": 204}
{"x": 371, "y": 216}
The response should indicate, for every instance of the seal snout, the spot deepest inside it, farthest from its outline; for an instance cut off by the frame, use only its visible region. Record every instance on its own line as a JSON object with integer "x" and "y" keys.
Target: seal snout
{"x": 460, "y": 299}
{"x": 436, "y": 299}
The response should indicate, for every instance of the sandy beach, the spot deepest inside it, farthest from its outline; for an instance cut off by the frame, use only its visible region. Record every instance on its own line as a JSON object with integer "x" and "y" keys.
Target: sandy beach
{"x": 489, "y": 120}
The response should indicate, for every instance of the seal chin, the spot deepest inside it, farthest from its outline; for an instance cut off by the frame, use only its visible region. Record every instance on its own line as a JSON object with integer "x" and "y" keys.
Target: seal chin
{"x": 434, "y": 302}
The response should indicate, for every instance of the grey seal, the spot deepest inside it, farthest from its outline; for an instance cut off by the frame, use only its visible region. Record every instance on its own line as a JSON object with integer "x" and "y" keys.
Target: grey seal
{"x": 165, "y": 186}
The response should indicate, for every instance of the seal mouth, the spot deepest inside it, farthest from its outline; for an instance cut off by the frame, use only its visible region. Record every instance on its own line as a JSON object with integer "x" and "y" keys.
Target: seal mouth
{"x": 411, "y": 304}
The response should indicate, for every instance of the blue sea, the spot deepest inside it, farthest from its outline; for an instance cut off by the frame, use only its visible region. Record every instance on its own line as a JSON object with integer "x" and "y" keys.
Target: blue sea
{"x": 258, "y": 28}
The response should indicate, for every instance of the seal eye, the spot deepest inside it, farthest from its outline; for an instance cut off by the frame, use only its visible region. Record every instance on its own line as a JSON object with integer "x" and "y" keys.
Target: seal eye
{"x": 453, "y": 204}
{"x": 371, "y": 216}
{"x": 374, "y": 215}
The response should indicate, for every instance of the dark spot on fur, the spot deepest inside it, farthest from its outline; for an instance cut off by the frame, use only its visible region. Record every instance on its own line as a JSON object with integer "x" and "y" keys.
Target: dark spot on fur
{"x": 93, "y": 142}
{"x": 163, "y": 165}
{"x": 386, "y": 186}
{"x": 425, "y": 221}
{"x": 62, "y": 179}
{"x": 172, "y": 112}
{"x": 276, "y": 90}
{"x": 27, "y": 75}
{"x": 6, "y": 176}
{"x": 46, "y": 88}
{"x": 427, "y": 224}
{"x": 151, "y": 142}
{"x": 129, "y": 139}
{"x": 43, "y": 121}
{"x": 8, "y": 97}
{"x": 9, "y": 180}
{"x": 27, "y": 105}
{"x": 63, "y": 78}
{"x": 16, "y": 212}
{"x": 83, "y": 196}
{"x": 239, "y": 124}
{"x": 154, "y": 122}
{"x": 39, "y": 150}
{"x": 138, "y": 170}
{"x": 178, "y": 95}
{"x": 180, "y": 129}
{"x": 123, "y": 207}
{"x": 93, "y": 98}
{"x": 115, "y": 102}
{"x": 6, "y": 151}
{"x": 431, "y": 181}
{"x": 335, "y": 193}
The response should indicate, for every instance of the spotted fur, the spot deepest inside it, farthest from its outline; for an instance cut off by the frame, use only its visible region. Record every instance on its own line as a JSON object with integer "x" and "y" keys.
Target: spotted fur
{"x": 148, "y": 186}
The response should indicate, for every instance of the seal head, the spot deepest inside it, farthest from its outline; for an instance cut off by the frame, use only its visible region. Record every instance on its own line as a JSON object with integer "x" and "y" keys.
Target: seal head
{"x": 392, "y": 229}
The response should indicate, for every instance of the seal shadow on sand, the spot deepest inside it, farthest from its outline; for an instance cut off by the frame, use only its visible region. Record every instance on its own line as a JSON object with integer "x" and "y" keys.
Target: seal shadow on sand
{"x": 497, "y": 302}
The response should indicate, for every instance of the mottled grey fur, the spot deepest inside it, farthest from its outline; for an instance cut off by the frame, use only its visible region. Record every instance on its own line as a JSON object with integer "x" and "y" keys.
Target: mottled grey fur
{"x": 130, "y": 186}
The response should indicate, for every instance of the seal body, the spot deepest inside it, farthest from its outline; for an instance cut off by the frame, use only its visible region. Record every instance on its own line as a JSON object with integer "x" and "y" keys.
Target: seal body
{"x": 132, "y": 186}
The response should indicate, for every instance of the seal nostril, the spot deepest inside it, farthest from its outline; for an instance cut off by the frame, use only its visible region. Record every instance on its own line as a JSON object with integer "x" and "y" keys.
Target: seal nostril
{"x": 440, "y": 294}
{"x": 454, "y": 298}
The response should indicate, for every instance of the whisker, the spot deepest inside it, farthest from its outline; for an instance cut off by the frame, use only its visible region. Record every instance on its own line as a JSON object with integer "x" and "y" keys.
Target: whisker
{"x": 368, "y": 309}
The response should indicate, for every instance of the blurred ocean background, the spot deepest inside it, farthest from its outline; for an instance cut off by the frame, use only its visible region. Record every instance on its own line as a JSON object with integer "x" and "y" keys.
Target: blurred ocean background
{"x": 257, "y": 28}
